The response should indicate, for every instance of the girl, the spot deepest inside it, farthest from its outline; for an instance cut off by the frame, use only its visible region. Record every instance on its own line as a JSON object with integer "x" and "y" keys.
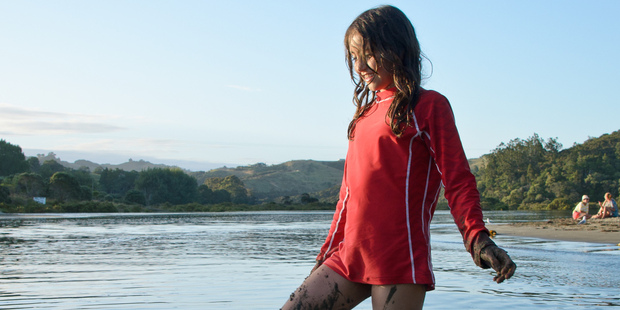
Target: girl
{"x": 403, "y": 146}
{"x": 609, "y": 208}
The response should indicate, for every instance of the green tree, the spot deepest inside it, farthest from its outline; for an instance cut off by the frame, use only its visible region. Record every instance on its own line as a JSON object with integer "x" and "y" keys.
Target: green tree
{"x": 134, "y": 196}
{"x": 86, "y": 193}
{"x": 232, "y": 184}
{"x": 49, "y": 167}
{"x": 12, "y": 160}
{"x": 5, "y": 195}
{"x": 166, "y": 185}
{"x": 65, "y": 187}
{"x": 206, "y": 195}
{"x": 560, "y": 204}
{"x": 117, "y": 181}
{"x": 34, "y": 163}
{"x": 30, "y": 184}
{"x": 221, "y": 196}
{"x": 83, "y": 176}
{"x": 536, "y": 174}
{"x": 306, "y": 198}
{"x": 512, "y": 169}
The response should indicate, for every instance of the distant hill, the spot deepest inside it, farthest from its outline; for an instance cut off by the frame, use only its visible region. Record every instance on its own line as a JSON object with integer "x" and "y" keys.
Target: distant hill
{"x": 321, "y": 179}
{"x": 527, "y": 174}
{"x": 128, "y": 166}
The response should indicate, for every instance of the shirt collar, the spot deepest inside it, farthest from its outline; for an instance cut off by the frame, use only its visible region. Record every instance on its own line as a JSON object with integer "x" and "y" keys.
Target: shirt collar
{"x": 383, "y": 95}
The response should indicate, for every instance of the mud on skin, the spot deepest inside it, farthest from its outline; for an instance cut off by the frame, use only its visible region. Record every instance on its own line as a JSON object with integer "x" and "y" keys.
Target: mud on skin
{"x": 389, "y": 297}
{"x": 328, "y": 303}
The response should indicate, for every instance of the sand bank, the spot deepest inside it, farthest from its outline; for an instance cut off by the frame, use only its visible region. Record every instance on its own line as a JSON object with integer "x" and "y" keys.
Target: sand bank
{"x": 594, "y": 230}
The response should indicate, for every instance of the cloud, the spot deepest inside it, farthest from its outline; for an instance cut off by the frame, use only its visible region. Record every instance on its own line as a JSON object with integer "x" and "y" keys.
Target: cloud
{"x": 23, "y": 121}
{"x": 244, "y": 88}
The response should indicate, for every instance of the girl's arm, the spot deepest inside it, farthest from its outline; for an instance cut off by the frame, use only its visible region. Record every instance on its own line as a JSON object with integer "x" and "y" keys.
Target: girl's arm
{"x": 461, "y": 189}
{"x": 446, "y": 148}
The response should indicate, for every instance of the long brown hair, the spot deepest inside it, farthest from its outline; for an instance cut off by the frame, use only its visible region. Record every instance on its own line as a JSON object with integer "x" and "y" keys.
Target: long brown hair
{"x": 389, "y": 36}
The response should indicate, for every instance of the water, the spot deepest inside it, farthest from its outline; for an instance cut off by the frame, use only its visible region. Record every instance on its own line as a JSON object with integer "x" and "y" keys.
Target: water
{"x": 255, "y": 260}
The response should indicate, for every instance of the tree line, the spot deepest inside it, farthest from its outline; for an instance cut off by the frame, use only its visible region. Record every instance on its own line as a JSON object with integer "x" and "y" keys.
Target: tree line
{"x": 534, "y": 174}
{"x": 113, "y": 190}
{"x": 523, "y": 174}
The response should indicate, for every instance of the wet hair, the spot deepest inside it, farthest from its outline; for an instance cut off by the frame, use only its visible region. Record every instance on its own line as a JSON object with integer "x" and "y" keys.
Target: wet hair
{"x": 388, "y": 35}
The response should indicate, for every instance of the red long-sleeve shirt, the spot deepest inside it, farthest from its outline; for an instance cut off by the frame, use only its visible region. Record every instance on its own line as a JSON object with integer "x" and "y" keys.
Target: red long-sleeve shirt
{"x": 380, "y": 231}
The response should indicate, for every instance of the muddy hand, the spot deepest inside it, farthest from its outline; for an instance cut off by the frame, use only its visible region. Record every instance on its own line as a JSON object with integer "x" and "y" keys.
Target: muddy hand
{"x": 499, "y": 260}
{"x": 486, "y": 254}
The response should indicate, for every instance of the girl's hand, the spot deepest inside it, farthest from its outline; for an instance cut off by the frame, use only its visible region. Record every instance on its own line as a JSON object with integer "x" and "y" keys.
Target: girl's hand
{"x": 499, "y": 260}
{"x": 487, "y": 255}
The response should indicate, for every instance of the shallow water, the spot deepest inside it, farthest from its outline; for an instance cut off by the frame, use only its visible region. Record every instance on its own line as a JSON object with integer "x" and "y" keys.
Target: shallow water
{"x": 255, "y": 260}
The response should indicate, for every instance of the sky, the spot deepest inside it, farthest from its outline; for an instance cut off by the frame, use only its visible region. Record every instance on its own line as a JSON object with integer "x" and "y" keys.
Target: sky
{"x": 203, "y": 84}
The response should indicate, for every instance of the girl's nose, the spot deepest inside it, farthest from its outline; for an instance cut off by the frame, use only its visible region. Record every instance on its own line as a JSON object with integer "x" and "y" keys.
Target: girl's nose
{"x": 360, "y": 65}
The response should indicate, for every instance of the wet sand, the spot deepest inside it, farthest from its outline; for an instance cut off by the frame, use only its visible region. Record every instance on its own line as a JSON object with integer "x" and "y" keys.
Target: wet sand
{"x": 594, "y": 230}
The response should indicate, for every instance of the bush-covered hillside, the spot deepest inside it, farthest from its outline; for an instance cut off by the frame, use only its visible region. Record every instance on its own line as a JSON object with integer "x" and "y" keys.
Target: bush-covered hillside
{"x": 536, "y": 174}
{"x": 291, "y": 178}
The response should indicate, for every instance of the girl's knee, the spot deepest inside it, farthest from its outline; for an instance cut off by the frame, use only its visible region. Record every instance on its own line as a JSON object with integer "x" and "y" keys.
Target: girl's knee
{"x": 325, "y": 289}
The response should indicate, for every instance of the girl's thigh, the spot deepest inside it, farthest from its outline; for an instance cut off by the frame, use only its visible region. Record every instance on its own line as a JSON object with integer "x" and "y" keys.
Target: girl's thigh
{"x": 398, "y": 296}
{"x": 325, "y": 289}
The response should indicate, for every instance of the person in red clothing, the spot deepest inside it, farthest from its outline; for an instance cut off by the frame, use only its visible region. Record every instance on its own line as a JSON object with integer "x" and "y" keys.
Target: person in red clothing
{"x": 403, "y": 147}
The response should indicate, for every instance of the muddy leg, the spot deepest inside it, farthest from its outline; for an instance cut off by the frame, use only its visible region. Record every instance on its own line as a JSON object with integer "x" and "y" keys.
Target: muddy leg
{"x": 326, "y": 290}
{"x": 397, "y": 297}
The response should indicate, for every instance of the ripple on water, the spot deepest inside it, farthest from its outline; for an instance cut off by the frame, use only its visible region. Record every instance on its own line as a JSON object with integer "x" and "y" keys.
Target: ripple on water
{"x": 255, "y": 260}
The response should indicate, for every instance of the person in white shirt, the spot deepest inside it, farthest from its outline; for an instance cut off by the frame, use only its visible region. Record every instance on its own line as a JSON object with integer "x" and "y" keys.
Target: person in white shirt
{"x": 582, "y": 208}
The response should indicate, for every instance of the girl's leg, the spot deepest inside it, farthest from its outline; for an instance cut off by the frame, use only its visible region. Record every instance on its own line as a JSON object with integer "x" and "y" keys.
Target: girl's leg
{"x": 325, "y": 289}
{"x": 398, "y": 296}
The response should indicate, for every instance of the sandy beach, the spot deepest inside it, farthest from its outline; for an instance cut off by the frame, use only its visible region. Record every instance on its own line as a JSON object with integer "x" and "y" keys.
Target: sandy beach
{"x": 594, "y": 230}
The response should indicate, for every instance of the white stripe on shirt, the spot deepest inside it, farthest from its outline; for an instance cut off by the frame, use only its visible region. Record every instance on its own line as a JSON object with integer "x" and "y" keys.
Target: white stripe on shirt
{"x": 407, "y": 210}
{"x": 344, "y": 204}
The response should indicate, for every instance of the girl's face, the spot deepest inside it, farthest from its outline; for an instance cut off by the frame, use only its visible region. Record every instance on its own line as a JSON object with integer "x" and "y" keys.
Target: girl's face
{"x": 375, "y": 76}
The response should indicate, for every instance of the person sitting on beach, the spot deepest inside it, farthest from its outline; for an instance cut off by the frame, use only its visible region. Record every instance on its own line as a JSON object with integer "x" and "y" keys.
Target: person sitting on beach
{"x": 609, "y": 208}
{"x": 582, "y": 208}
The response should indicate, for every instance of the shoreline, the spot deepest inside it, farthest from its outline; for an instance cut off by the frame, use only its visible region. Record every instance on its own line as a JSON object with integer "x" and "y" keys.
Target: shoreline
{"x": 605, "y": 231}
